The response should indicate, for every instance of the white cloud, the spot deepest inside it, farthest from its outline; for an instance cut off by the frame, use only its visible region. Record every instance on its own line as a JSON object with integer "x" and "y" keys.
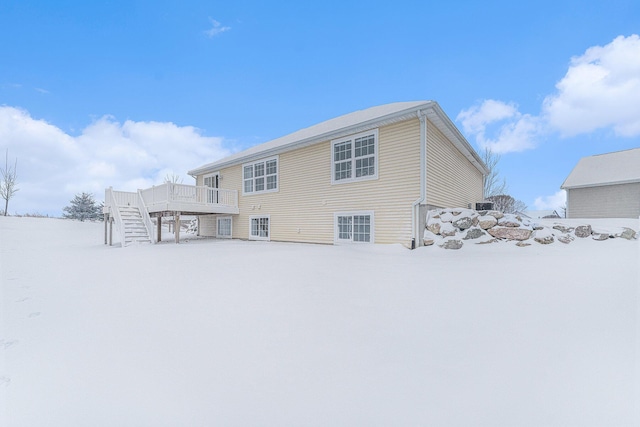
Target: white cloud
{"x": 217, "y": 28}
{"x": 53, "y": 166}
{"x": 555, "y": 201}
{"x": 510, "y": 130}
{"x": 600, "y": 89}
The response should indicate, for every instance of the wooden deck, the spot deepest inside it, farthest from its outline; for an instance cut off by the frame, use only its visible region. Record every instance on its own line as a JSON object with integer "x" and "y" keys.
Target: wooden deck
{"x": 186, "y": 199}
{"x": 164, "y": 200}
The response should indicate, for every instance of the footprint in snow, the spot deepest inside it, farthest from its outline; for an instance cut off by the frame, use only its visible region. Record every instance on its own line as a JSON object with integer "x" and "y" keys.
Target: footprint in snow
{"x": 34, "y": 314}
{"x": 23, "y": 299}
{"x": 8, "y": 343}
{"x": 4, "y": 381}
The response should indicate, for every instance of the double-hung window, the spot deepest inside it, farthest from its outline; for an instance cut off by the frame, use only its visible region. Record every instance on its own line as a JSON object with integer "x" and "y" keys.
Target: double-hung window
{"x": 259, "y": 228}
{"x": 223, "y": 229}
{"x": 260, "y": 176}
{"x": 354, "y": 227}
{"x": 355, "y": 158}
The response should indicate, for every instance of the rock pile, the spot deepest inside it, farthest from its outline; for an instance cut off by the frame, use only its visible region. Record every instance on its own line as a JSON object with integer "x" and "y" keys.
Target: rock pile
{"x": 449, "y": 228}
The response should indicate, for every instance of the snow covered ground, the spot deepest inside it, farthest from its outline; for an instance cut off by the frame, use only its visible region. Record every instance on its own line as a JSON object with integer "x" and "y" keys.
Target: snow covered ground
{"x": 231, "y": 333}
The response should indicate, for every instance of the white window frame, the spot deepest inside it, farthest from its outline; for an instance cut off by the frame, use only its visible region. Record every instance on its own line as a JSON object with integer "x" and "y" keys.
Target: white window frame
{"x": 254, "y": 237}
{"x": 336, "y": 231}
{"x": 224, "y": 236}
{"x": 353, "y": 159}
{"x": 211, "y": 175}
{"x": 265, "y": 176}
{"x": 212, "y": 196}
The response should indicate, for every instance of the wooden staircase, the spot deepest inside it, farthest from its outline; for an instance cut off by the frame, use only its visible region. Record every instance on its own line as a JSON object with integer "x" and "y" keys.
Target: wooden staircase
{"x": 133, "y": 226}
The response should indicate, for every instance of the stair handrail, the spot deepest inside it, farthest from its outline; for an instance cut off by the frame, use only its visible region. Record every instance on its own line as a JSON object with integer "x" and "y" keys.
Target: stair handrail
{"x": 115, "y": 211}
{"x": 144, "y": 213}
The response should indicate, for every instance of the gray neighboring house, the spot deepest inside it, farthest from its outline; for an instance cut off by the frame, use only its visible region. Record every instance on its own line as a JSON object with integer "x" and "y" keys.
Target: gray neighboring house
{"x": 549, "y": 213}
{"x": 605, "y": 186}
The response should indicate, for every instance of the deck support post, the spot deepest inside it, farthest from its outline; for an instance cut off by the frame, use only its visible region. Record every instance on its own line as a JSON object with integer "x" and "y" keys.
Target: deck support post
{"x": 159, "y": 225}
{"x": 176, "y": 226}
{"x": 106, "y": 218}
{"x": 111, "y": 232}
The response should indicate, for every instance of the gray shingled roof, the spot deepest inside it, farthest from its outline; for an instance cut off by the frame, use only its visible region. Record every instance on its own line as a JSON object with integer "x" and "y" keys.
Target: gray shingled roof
{"x": 348, "y": 124}
{"x": 605, "y": 169}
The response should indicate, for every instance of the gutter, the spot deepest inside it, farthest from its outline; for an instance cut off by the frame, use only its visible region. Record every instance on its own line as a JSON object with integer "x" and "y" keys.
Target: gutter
{"x": 415, "y": 207}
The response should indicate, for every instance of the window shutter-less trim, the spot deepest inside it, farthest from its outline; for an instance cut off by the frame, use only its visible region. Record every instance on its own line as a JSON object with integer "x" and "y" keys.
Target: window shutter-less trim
{"x": 355, "y": 158}
{"x": 260, "y": 176}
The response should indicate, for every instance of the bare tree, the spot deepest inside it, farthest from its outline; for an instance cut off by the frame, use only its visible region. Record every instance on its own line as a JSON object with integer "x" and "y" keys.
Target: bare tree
{"x": 493, "y": 185}
{"x": 507, "y": 204}
{"x": 172, "y": 178}
{"x": 9, "y": 180}
{"x": 563, "y": 210}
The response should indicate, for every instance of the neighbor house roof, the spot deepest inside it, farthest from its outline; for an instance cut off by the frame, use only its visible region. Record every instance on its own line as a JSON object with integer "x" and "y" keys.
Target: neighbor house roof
{"x": 351, "y": 123}
{"x": 541, "y": 214}
{"x": 620, "y": 167}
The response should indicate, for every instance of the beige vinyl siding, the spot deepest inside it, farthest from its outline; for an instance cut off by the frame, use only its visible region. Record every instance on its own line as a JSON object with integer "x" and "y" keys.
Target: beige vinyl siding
{"x": 452, "y": 181}
{"x": 609, "y": 201}
{"x": 303, "y": 208}
{"x": 207, "y": 225}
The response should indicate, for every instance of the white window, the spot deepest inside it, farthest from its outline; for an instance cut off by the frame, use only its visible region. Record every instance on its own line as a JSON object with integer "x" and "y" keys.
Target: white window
{"x": 223, "y": 229}
{"x": 212, "y": 181}
{"x": 260, "y": 177}
{"x": 355, "y": 158}
{"x": 259, "y": 228}
{"x": 353, "y": 227}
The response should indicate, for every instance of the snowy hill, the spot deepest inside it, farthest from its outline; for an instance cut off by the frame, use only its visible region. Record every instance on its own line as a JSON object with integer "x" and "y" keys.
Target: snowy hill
{"x": 236, "y": 333}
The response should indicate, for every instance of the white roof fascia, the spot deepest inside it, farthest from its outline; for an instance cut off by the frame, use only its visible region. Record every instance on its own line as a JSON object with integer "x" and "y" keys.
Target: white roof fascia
{"x": 599, "y": 184}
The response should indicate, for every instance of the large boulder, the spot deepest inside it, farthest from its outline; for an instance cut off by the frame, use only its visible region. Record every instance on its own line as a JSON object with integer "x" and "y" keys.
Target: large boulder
{"x": 429, "y": 238}
{"x": 627, "y": 233}
{"x": 434, "y": 227}
{"x": 496, "y": 214}
{"x": 463, "y": 223}
{"x": 505, "y": 222}
{"x": 566, "y": 238}
{"x": 473, "y": 233}
{"x": 487, "y": 221}
{"x": 562, "y": 228}
{"x": 451, "y": 244}
{"x": 544, "y": 240}
{"x": 583, "y": 231}
{"x": 511, "y": 220}
{"x": 447, "y": 229}
{"x": 544, "y": 236}
{"x": 510, "y": 233}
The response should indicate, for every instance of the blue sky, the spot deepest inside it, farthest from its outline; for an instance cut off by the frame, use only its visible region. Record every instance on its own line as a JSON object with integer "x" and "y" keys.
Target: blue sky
{"x": 121, "y": 93}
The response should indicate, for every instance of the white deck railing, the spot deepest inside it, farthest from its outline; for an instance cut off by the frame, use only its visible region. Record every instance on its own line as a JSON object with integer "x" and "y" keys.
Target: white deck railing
{"x": 116, "y": 198}
{"x": 178, "y": 197}
{"x": 142, "y": 207}
{"x": 189, "y": 195}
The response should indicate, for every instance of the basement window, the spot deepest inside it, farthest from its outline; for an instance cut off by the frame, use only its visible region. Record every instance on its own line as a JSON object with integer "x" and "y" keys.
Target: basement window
{"x": 353, "y": 227}
{"x": 259, "y": 228}
{"x": 224, "y": 227}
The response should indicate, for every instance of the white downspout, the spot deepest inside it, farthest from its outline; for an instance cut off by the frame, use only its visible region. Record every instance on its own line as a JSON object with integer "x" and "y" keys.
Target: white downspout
{"x": 415, "y": 209}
